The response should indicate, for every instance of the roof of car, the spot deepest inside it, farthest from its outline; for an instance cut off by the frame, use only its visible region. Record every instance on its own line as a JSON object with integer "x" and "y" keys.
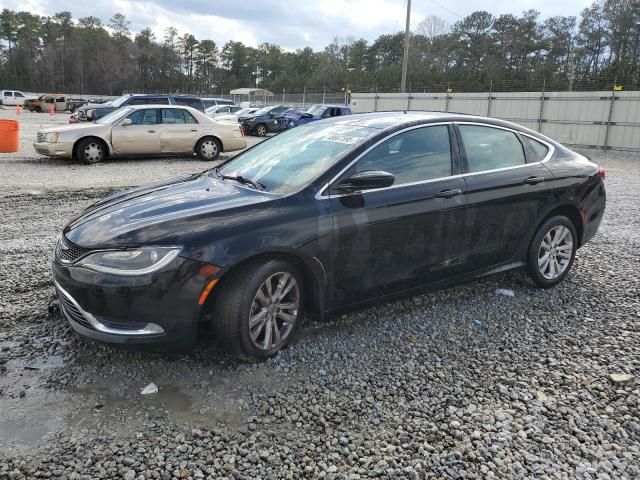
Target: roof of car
{"x": 384, "y": 120}
{"x": 162, "y": 95}
{"x": 399, "y": 119}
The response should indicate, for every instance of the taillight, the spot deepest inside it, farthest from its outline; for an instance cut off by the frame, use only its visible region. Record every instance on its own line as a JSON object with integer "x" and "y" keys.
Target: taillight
{"x": 241, "y": 131}
{"x": 601, "y": 172}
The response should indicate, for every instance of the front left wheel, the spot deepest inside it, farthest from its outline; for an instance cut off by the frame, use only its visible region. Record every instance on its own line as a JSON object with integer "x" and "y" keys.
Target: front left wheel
{"x": 258, "y": 309}
{"x": 91, "y": 150}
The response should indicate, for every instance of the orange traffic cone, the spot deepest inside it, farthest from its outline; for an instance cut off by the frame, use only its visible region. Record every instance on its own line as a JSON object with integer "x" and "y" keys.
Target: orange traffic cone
{"x": 52, "y": 111}
{"x": 18, "y": 109}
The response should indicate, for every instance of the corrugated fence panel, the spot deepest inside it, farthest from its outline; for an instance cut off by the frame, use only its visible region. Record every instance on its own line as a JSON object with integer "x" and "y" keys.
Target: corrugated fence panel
{"x": 428, "y": 102}
{"x": 516, "y": 106}
{"x": 574, "y": 118}
{"x": 625, "y": 129}
{"x": 470, "y": 103}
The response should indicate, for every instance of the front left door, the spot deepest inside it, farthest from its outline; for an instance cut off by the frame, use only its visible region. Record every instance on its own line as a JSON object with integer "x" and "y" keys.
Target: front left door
{"x": 391, "y": 239}
{"x": 141, "y": 137}
{"x": 179, "y": 131}
{"x": 7, "y": 98}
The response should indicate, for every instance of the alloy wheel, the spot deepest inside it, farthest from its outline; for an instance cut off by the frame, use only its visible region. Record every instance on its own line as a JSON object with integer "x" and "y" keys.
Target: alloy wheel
{"x": 261, "y": 131}
{"x": 93, "y": 152}
{"x": 274, "y": 311}
{"x": 555, "y": 252}
{"x": 209, "y": 148}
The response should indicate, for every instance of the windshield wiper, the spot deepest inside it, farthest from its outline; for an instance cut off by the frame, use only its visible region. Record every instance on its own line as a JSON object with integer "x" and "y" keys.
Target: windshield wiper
{"x": 240, "y": 179}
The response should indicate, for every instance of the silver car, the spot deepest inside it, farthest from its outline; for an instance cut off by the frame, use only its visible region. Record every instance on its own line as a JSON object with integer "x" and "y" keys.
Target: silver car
{"x": 142, "y": 130}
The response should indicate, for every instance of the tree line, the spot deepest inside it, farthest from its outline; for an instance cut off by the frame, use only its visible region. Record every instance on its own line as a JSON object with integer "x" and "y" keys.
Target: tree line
{"x": 479, "y": 52}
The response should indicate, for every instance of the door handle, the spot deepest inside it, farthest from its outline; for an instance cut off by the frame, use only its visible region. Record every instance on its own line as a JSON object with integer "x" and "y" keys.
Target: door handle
{"x": 448, "y": 193}
{"x": 151, "y": 131}
{"x": 194, "y": 130}
{"x": 533, "y": 180}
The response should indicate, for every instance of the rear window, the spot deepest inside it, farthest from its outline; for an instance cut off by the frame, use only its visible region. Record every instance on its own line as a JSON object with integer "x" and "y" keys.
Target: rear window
{"x": 189, "y": 102}
{"x": 539, "y": 149}
{"x": 148, "y": 101}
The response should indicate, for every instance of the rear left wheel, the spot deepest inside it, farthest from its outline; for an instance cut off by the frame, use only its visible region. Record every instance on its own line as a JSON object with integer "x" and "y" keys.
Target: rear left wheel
{"x": 552, "y": 251}
{"x": 208, "y": 149}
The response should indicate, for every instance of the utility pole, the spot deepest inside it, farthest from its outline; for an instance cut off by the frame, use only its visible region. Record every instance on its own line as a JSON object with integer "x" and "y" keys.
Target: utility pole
{"x": 405, "y": 58}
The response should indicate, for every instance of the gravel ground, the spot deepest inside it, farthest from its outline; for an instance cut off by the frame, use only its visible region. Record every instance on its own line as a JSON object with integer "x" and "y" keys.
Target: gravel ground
{"x": 461, "y": 383}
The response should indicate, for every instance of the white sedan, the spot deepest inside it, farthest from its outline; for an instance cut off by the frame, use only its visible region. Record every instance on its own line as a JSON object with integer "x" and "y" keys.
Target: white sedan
{"x": 143, "y": 130}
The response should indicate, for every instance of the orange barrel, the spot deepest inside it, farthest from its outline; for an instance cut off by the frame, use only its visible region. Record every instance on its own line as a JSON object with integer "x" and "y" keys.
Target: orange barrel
{"x": 9, "y": 136}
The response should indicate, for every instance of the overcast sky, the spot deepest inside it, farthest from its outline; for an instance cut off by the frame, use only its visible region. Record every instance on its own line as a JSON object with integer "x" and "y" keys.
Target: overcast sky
{"x": 289, "y": 23}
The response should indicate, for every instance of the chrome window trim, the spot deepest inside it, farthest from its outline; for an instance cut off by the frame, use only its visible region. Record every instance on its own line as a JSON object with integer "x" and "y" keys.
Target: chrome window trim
{"x": 320, "y": 194}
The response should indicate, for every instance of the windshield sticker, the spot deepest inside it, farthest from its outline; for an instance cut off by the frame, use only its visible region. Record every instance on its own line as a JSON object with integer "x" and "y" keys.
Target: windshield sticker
{"x": 348, "y": 139}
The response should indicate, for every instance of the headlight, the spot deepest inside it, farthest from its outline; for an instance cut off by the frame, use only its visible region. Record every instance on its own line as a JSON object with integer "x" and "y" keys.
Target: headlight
{"x": 139, "y": 261}
{"x": 89, "y": 113}
{"x": 51, "y": 137}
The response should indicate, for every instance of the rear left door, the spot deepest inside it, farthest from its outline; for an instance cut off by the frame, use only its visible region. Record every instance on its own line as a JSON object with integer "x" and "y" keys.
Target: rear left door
{"x": 507, "y": 190}
{"x": 179, "y": 131}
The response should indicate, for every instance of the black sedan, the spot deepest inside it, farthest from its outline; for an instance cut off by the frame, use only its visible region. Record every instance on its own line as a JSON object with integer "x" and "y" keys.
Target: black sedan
{"x": 325, "y": 217}
{"x": 263, "y": 121}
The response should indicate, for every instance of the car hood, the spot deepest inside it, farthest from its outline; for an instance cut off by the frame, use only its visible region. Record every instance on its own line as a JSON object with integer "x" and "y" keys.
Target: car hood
{"x": 182, "y": 205}
{"x": 75, "y": 127}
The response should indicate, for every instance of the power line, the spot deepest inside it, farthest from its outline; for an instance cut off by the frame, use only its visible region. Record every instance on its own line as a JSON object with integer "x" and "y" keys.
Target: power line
{"x": 435, "y": 2}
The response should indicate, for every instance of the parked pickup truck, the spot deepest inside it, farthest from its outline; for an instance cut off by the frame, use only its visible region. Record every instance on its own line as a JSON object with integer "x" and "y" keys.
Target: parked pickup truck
{"x": 60, "y": 102}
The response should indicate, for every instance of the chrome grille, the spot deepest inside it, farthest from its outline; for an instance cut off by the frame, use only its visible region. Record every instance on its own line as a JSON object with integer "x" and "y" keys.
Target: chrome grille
{"x": 40, "y": 137}
{"x": 71, "y": 311}
{"x": 68, "y": 252}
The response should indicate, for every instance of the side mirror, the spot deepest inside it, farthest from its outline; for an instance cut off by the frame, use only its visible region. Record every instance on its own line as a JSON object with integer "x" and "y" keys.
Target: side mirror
{"x": 367, "y": 180}
{"x": 271, "y": 114}
{"x": 126, "y": 122}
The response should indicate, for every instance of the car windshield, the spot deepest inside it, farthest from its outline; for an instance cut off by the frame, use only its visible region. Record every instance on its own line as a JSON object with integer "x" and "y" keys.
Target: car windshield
{"x": 292, "y": 159}
{"x": 243, "y": 111}
{"x": 114, "y": 116}
{"x": 119, "y": 101}
{"x": 316, "y": 110}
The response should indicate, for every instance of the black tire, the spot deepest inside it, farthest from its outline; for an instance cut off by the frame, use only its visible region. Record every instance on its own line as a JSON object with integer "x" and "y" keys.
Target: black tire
{"x": 91, "y": 151}
{"x": 260, "y": 129}
{"x": 548, "y": 271}
{"x": 208, "y": 149}
{"x": 233, "y": 309}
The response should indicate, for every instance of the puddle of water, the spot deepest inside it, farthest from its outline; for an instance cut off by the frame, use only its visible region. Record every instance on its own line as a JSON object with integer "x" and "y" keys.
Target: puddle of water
{"x": 7, "y": 344}
{"x": 52, "y": 361}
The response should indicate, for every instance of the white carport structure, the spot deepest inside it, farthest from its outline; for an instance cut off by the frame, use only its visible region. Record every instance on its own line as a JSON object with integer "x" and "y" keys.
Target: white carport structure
{"x": 252, "y": 94}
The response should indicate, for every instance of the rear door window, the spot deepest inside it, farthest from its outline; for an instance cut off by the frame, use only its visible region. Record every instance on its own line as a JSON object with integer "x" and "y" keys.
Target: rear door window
{"x": 7, "y": 94}
{"x": 413, "y": 156}
{"x": 489, "y": 148}
{"x": 177, "y": 116}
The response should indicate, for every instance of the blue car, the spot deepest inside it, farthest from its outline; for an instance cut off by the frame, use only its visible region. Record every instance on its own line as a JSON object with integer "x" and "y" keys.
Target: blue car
{"x": 294, "y": 117}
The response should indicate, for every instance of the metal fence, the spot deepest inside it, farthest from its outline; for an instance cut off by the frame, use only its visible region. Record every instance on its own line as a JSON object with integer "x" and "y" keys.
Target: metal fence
{"x": 596, "y": 119}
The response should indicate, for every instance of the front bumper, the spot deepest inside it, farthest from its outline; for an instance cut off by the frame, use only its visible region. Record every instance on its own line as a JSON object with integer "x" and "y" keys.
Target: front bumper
{"x": 161, "y": 307}
{"x": 58, "y": 149}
